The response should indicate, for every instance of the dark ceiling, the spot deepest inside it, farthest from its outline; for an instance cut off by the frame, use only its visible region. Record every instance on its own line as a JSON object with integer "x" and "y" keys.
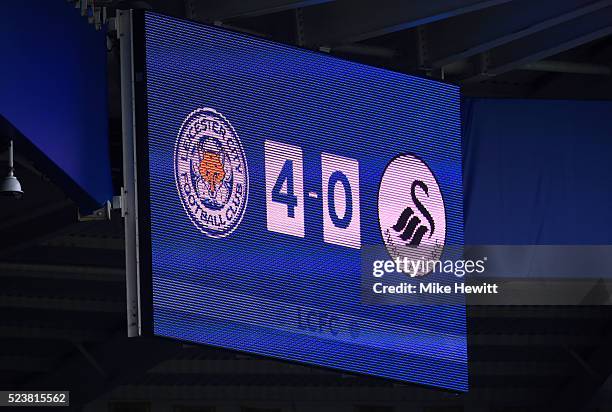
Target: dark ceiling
{"x": 542, "y": 49}
{"x": 63, "y": 322}
{"x": 503, "y": 48}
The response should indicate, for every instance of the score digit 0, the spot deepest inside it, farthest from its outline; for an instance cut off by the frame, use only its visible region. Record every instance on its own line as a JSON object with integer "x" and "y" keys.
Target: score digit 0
{"x": 341, "y": 221}
{"x": 285, "y": 194}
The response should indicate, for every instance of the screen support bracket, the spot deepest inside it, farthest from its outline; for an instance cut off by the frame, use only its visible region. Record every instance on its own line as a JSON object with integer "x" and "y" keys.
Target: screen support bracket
{"x": 129, "y": 195}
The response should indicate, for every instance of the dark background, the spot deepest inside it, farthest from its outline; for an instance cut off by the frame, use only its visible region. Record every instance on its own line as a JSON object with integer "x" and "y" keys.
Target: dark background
{"x": 62, "y": 294}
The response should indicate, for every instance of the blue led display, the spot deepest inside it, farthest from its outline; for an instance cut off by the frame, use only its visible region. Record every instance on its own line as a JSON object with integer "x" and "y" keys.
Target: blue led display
{"x": 270, "y": 169}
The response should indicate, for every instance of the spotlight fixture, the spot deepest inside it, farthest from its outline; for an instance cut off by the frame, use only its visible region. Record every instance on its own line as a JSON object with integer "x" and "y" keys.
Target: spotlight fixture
{"x": 9, "y": 185}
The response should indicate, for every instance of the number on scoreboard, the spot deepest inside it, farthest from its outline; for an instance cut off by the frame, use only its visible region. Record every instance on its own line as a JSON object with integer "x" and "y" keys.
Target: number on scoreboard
{"x": 341, "y": 220}
{"x": 284, "y": 188}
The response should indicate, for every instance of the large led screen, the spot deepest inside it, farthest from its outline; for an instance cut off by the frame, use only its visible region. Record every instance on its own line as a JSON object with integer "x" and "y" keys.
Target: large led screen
{"x": 267, "y": 171}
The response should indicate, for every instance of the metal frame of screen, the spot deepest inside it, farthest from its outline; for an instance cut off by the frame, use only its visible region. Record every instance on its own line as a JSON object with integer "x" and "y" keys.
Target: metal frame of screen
{"x": 135, "y": 191}
{"x": 130, "y": 29}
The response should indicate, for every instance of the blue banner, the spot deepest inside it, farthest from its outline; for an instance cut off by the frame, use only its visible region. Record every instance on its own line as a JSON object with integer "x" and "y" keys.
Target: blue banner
{"x": 53, "y": 96}
{"x": 537, "y": 172}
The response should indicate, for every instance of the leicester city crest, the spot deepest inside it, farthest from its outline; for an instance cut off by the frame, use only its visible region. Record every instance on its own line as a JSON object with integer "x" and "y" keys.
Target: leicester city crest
{"x": 211, "y": 172}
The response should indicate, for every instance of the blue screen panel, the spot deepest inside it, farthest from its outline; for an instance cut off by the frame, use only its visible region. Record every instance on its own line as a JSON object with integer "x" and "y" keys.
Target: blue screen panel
{"x": 519, "y": 149}
{"x": 271, "y": 168}
{"x": 53, "y": 96}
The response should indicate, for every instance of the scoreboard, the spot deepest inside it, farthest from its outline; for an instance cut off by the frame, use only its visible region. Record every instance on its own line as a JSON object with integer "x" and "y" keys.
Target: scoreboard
{"x": 260, "y": 174}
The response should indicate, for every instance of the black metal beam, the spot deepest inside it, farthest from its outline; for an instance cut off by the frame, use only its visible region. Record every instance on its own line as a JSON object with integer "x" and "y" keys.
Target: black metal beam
{"x": 410, "y": 397}
{"x": 347, "y": 21}
{"x": 220, "y": 10}
{"x": 44, "y": 332}
{"x": 27, "y": 230}
{"x": 568, "y": 313}
{"x": 464, "y": 36}
{"x": 121, "y": 358}
{"x": 25, "y": 364}
{"x": 245, "y": 369}
{"x": 585, "y": 389}
{"x": 65, "y": 272}
{"x": 61, "y": 304}
{"x": 547, "y": 43}
{"x": 553, "y": 84}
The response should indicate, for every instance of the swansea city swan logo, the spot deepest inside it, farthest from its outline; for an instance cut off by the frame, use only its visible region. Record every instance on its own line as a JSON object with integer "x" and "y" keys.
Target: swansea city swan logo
{"x": 211, "y": 172}
{"x": 411, "y": 210}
